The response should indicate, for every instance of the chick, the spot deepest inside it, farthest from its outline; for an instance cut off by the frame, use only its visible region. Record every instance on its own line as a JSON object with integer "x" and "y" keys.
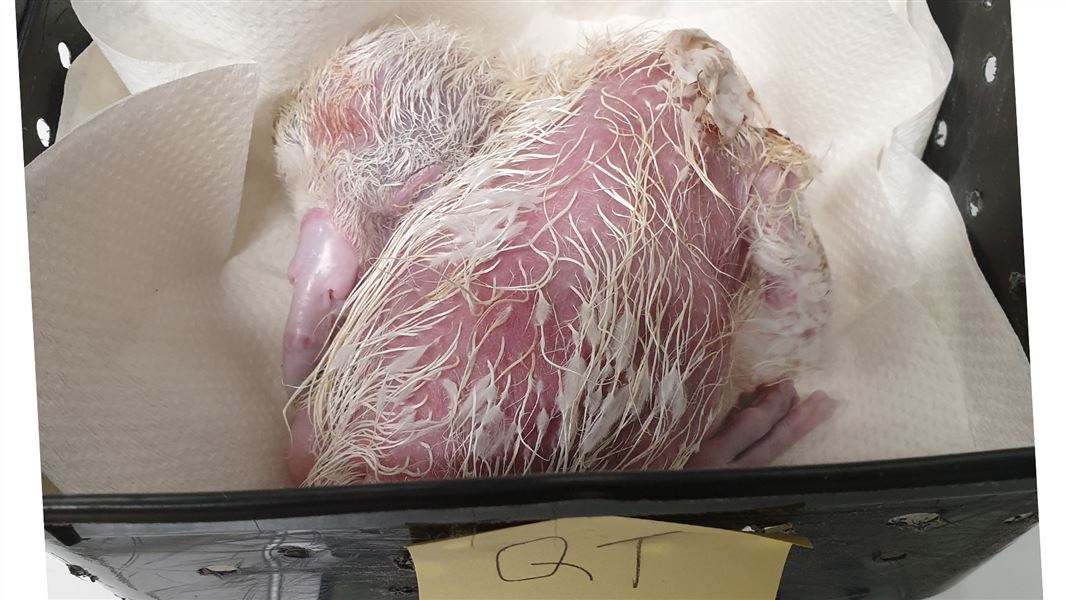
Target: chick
{"x": 628, "y": 245}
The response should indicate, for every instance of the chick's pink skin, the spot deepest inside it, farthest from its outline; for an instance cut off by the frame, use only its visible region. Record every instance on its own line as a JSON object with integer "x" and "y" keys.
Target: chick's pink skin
{"x": 300, "y": 458}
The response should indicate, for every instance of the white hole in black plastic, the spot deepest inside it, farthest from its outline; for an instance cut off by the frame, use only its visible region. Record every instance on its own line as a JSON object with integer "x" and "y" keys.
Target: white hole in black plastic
{"x": 64, "y": 55}
{"x": 217, "y": 570}
{"x": 990, "y": 69}
{"x": 941, "y": 136}
{"x": 987, "y": 3}
{"x": 44, "y": 132}
{"x": 294, "y": 551}
{"x": 917, "y": 521}
{"x": 1022, "y": 517}
{"x": 974, "y": 202}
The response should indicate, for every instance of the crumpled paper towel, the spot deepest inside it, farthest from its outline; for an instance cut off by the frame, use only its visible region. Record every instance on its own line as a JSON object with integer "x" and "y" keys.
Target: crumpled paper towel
{"x": 160, "y": 237}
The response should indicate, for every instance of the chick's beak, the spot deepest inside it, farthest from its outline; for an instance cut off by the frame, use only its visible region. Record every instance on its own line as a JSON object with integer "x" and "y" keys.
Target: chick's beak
{"x": 323, "y": 272}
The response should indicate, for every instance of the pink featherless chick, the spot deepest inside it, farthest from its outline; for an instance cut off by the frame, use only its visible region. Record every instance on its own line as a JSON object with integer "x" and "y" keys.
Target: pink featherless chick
{"x": 579, "y": 286}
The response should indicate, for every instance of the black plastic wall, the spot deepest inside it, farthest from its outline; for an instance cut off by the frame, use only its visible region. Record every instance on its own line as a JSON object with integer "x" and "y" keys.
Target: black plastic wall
{"x": 979, "y": 158}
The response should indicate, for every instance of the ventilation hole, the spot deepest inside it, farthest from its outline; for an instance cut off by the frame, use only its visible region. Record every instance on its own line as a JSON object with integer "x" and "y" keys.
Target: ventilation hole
{"x": 64, "y": 55}
{"x": 404, "y": 562}
{"x": 941, "y": 136}
{"x": 974, "y": 202}
{"x": 889, "y": 556}
{"x": 1027, "y": 516}
{"x": 1016, "y": 284}
{"x": 81, "y": 573}
{"x": 990, "y": 69}
{"x": 217, "y": 570}
{"x": 917, "y": 521}
{"x": 294, "y": 551}
{"x": 987, "y": 4}
{"x": 779, "y": 529}
{"x": 44, "y": 132}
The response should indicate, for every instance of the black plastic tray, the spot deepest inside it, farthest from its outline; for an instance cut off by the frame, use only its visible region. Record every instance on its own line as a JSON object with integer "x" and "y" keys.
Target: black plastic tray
{"x": 349, "y": 542}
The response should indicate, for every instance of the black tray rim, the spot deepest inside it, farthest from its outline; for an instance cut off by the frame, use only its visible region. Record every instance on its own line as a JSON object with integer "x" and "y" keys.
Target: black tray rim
{"x": 973, "y": 468}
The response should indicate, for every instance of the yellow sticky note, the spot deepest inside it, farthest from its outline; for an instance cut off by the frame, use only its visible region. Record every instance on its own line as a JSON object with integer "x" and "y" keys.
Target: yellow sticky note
{"x": 601, "y": 557}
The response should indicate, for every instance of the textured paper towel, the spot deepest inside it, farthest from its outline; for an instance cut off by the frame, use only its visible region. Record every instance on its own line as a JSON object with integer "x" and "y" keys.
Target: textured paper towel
{"x": 179, "y": 389}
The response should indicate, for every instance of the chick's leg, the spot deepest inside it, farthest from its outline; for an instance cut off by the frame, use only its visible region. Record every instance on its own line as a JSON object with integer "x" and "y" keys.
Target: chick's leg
{"x": 764, "y": 424}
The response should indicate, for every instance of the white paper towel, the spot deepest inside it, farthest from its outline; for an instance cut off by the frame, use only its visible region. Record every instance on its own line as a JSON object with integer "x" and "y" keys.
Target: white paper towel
{"x": 158, "y": 260}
